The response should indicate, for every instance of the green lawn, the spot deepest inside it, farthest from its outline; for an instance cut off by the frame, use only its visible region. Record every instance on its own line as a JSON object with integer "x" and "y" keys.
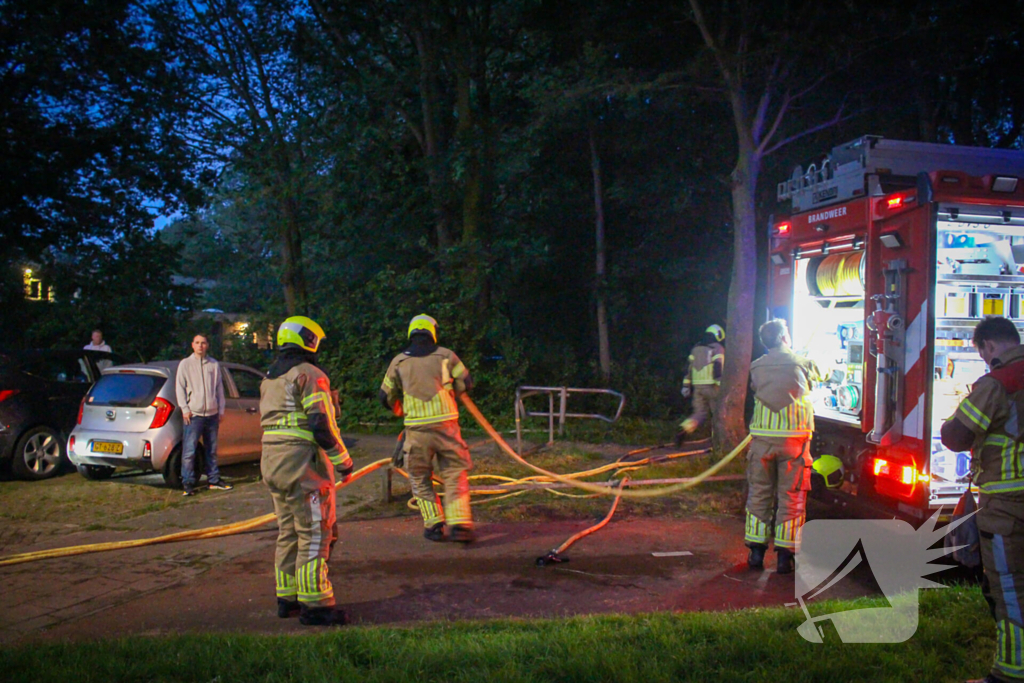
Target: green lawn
{"x": 954, "y": 641}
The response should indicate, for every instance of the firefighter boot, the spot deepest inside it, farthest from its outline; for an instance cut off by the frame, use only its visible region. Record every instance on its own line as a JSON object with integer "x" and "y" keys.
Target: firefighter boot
{"x": 287, "y": 608}
{"x": 322, "y": 616}
{"x": 680, "y": 437}
{"x": 785, "y": 564}
{"x": 755, "y": 560}
{"x": 462, "y": 534}
{"x": 434, "y": 533}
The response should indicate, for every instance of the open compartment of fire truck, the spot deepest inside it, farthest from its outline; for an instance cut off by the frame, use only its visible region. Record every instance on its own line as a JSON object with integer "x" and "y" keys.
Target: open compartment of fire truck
{"x": 891, "y": 255}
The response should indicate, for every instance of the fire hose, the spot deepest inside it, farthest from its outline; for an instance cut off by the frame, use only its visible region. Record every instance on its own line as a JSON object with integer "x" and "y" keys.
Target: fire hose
{"x": 257, "y": 522}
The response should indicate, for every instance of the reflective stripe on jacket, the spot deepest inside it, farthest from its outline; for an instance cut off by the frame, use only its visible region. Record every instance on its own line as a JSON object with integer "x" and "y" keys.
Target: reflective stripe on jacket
{"x": 782, "y": 386}
{"x": 426, "y": 386}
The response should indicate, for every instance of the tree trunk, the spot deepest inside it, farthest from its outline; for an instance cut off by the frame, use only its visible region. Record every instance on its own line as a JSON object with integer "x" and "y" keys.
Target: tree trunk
{"x": 604, "y": 353}
{"x": 432, "y": 139}
{"x": 730, "y": 425}
{"x": 293, "y": 277}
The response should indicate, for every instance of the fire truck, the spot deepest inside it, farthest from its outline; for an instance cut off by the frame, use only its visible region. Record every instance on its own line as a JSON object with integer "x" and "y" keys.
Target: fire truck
{"x": 889, "y": 256}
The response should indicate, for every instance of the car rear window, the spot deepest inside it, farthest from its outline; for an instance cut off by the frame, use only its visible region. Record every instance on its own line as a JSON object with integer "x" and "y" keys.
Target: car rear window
{"x": 119, "y": 389}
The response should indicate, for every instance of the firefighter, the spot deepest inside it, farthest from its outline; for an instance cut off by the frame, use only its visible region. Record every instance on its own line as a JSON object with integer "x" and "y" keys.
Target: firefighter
{"x": 986, "y": 422}
{"x": 703, "y": 376}
{"x": 422, "y": 383}
{"x": 779, "y": 459}
{"x": 302, "y": 451}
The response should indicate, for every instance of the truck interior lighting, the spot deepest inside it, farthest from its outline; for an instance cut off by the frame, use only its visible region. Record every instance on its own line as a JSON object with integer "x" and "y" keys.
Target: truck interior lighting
{"x": 782, "y": 229}
{"x": 1004, "y": 184}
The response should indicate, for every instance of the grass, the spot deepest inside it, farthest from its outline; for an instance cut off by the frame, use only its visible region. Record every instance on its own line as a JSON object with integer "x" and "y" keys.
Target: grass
{"x": 955, "y": 640}
{"x": 69, "y": 502}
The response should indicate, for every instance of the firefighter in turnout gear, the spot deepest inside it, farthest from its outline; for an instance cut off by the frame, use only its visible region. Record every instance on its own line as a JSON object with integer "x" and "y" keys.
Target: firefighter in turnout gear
{"x": 987, "y": 422}
{"x": 779, "y": 459}
{"x": 302, "y": 450}
{"x": 703, "y": 376}
{"x": 422, "y": 383}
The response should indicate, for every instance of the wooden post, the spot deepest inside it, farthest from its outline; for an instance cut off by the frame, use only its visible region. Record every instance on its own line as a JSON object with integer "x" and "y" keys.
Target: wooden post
{"x": 385, "y": 484}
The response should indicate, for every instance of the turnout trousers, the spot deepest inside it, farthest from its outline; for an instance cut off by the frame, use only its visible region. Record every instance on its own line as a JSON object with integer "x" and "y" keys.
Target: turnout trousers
{"x": 439, "y": 448}
{"x": 705, "y": 398}
{"x": 1002, "y": 556}
{"x": 301, "y": 483}
{"x": 778, "y": 479}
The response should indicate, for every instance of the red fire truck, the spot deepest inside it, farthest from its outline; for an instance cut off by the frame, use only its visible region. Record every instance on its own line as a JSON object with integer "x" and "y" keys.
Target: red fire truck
{"x": 890, "y": 255}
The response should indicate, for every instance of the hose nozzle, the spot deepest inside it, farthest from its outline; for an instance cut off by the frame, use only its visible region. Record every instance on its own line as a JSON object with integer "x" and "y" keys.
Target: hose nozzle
{"x": 551, "y": 558}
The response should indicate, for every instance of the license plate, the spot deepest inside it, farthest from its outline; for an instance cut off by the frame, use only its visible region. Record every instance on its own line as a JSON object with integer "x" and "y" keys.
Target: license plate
{"x": 115, "y": 447}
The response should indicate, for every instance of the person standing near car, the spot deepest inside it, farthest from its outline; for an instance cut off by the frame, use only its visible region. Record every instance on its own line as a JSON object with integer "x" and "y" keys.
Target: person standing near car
{"x": 97, "y": 343}
{"x": 302, "y": 450}
{"x": 200, "y": 390}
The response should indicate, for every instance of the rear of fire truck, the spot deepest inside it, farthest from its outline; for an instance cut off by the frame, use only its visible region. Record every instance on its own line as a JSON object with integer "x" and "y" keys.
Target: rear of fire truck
{"x": 890, "y": 255}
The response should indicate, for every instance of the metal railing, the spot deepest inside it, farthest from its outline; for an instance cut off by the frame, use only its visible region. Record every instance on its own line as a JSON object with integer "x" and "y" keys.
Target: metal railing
{"x": 563, "y": 399}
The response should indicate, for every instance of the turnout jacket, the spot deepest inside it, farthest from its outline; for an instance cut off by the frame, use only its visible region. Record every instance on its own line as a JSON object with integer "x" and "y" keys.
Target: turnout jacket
{"x": 426, "y": 383}
{"x": 782, "y": 394}
{"x": 705, "y": 365}
{"x": 296, "y": 406}
{"x": 994, "y": 413}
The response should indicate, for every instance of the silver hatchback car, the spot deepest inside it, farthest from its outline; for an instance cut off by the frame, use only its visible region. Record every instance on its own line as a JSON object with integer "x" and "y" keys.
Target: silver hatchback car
{"x": 130, "y": 418}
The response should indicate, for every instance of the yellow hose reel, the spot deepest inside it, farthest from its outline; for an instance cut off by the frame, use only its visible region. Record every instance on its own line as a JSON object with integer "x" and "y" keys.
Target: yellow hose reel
{"x": 839, "y": 275}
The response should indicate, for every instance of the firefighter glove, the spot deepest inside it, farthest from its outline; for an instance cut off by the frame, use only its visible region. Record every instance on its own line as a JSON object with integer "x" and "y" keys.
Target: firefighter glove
{"x": 344, "y": 469}
{"x": 685, "y": 391}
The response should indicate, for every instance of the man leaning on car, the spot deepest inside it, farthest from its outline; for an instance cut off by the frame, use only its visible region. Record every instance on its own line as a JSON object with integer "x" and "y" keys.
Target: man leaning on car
{"x": 200, "y": 391}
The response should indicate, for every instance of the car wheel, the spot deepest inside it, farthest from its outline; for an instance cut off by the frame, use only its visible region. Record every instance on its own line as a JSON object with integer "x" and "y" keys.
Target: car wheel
{"x": 96, "y": 472}
{"x": 38, "y": 454}
{"x": 172, "y": 469}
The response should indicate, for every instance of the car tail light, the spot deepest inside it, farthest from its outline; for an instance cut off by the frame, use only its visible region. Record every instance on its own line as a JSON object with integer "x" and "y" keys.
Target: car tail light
{"x": 71, "y": 444}
{"x": 163, "y": 412}
{"x": 147, "y": 451}
{"x": 81, "y": 409}
{"x": 7, "y": 393}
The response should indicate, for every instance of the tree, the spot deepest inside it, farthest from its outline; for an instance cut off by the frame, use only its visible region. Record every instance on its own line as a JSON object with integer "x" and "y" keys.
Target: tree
{"x": 251, "y": 110}
{"x": 768, "y": 62}
{"x": 89, "y": 139}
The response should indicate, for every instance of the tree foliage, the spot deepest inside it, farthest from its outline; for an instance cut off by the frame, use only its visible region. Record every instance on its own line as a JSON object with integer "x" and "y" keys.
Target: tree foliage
{"x": 365, "y": 162}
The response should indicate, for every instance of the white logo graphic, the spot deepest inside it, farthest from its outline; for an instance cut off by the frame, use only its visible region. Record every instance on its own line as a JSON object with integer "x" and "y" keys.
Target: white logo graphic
{"x": 889, "y": 550}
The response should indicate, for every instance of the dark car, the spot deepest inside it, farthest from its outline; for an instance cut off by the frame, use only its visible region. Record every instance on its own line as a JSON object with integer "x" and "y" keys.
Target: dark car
{"x": 40, "y": 394}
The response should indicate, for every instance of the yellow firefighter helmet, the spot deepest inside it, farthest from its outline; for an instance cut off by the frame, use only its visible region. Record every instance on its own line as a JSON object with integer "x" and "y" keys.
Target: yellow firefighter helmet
{"x": 423, "y": 322}
{"x": 302, "y": 332}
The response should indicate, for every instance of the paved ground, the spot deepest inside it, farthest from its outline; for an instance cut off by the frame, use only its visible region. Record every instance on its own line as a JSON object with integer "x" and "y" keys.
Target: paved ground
{"x": 383, "y": 572}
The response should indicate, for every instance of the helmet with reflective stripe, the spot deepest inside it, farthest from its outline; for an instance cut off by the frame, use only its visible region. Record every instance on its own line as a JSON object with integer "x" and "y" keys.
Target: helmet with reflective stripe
{"x": 831, "y": 469}
{"x": 302, "y": 332}
{"x": 425, "y": 323}
{"x": 717, "y": 332}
